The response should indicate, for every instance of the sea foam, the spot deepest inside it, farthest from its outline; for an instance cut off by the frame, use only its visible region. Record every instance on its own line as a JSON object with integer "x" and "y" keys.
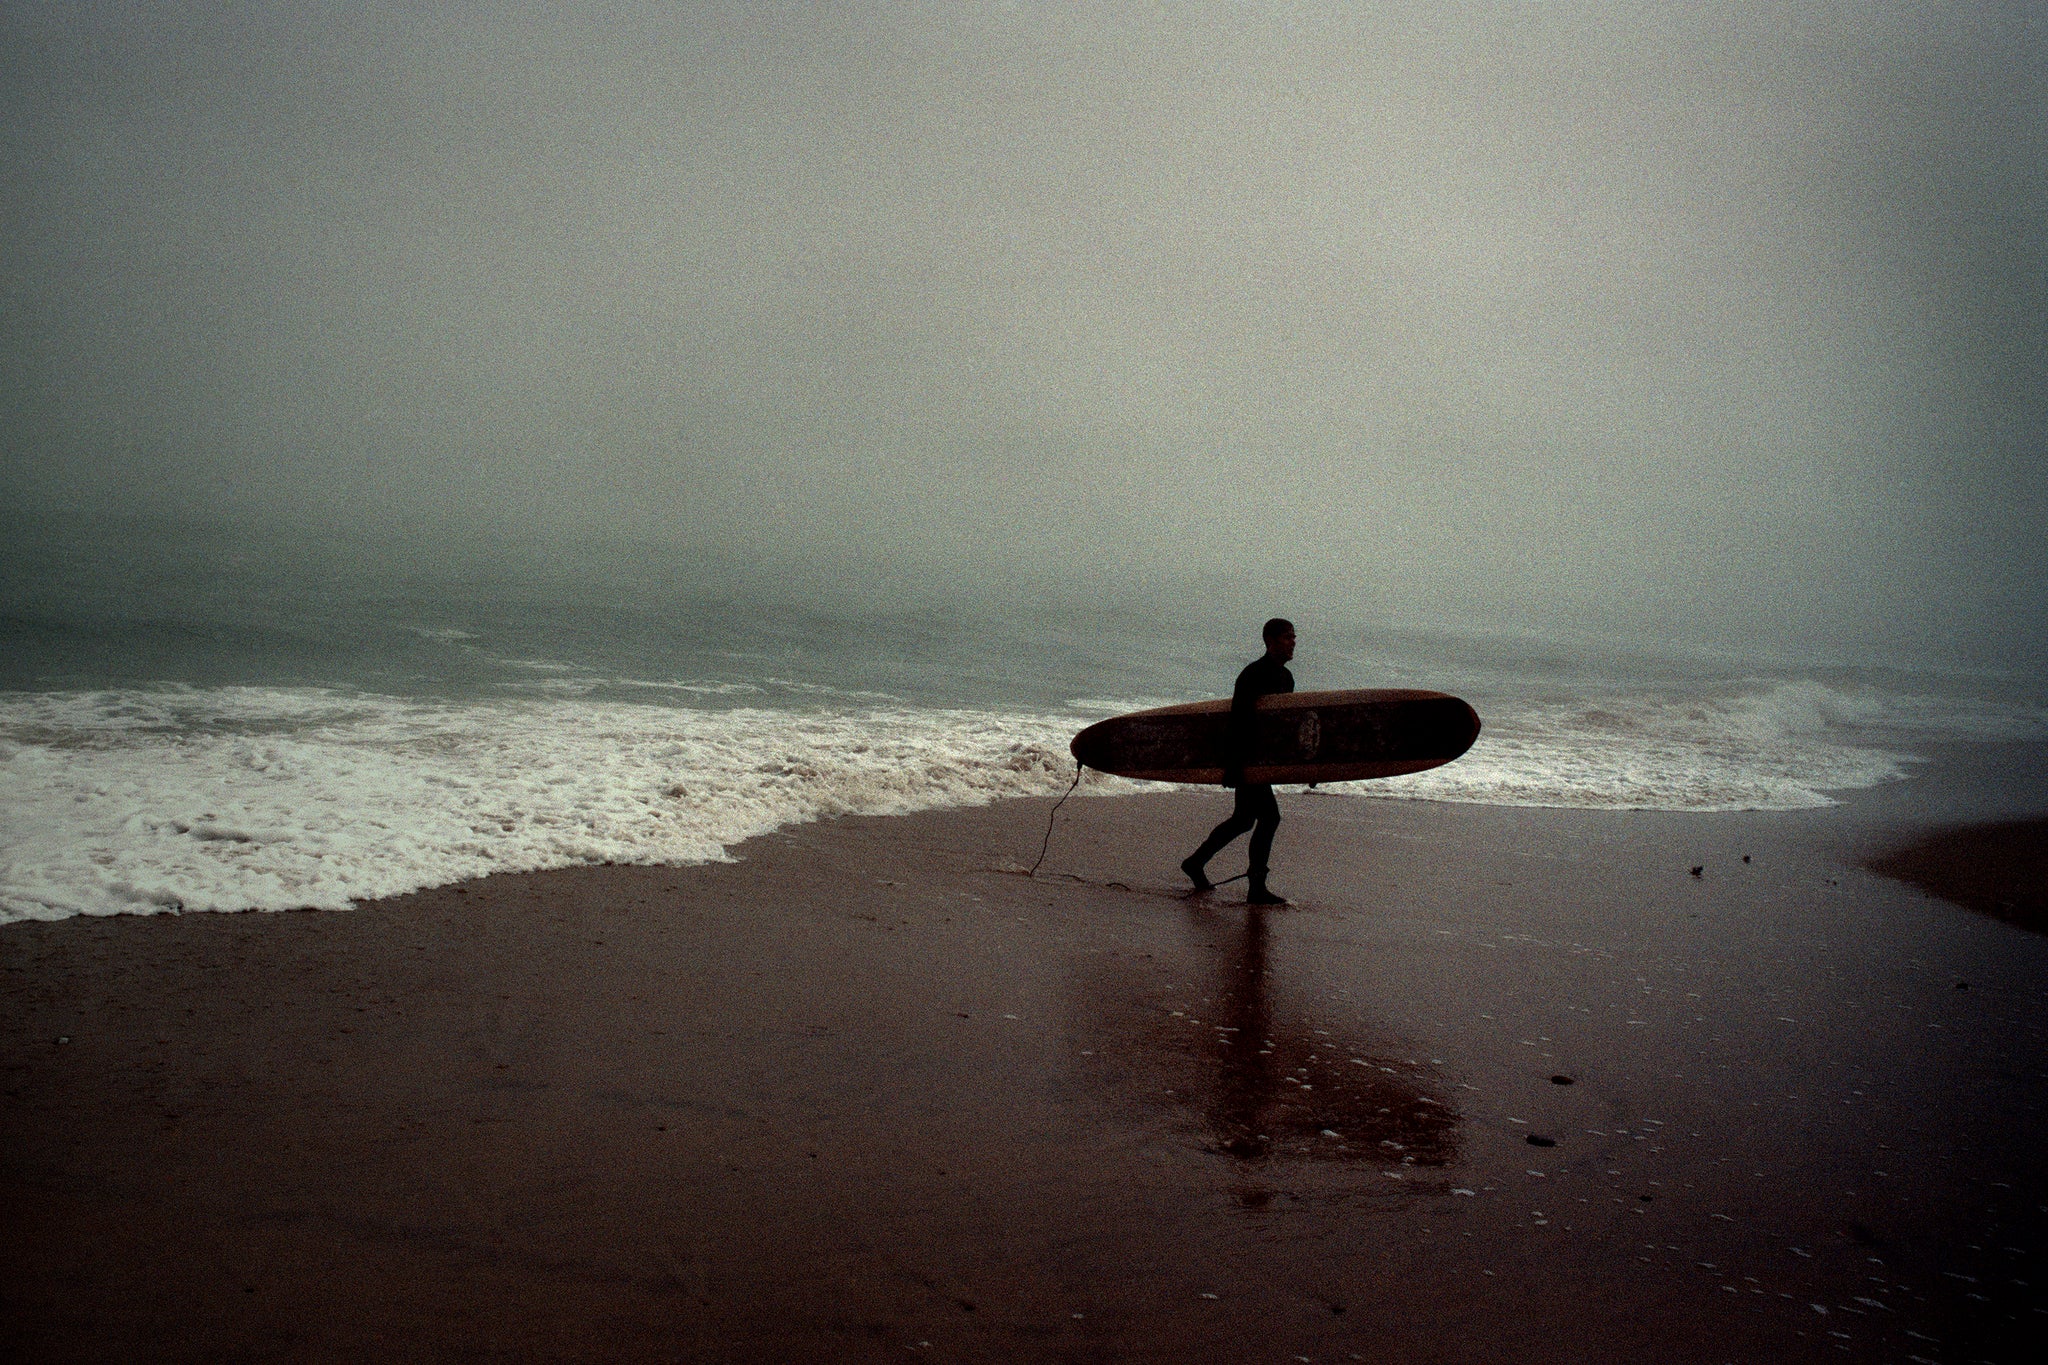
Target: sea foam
{"x": 1781, "y": 746}
{"x": 246, "y": 798}
{"x": 242, "y": 798}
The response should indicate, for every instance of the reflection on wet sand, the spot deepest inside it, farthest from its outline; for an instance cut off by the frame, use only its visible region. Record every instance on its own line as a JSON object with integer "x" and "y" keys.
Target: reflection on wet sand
{"x": 1280, "y": 1085}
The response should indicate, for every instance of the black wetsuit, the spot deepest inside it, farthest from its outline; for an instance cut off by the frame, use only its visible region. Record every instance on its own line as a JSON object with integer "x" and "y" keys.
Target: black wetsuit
{"x": 1256, "y": 810}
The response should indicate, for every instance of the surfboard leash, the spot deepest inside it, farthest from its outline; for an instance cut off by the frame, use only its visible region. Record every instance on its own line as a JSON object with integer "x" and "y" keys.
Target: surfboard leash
{"x": 1079, "y": 768}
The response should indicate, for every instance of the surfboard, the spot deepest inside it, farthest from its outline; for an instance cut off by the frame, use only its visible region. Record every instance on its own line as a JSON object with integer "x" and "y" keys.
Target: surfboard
{"x": 1296, "y": 737}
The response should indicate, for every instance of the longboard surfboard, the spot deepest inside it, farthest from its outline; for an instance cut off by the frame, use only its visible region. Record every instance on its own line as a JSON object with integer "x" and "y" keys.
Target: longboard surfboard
{"x": 1296, "y": 737}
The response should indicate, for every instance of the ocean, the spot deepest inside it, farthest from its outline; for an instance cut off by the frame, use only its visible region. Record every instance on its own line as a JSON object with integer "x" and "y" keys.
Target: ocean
{"x": 193, "y": 722}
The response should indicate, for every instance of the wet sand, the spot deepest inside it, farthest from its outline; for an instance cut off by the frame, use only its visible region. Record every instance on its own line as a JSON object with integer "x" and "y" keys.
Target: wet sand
{"x": 2000, "y": 869}
{"x": 1503, "y": 1085}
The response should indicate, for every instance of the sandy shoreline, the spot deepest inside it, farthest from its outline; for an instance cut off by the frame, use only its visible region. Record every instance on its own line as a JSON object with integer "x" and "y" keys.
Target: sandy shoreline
{"x": 865, "y": 1094}
{"x": 1999, "y": 869}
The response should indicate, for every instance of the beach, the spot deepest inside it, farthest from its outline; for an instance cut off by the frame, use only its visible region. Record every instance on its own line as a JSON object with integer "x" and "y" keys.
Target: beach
{"x": 555, "y": 562}
{"x": 1501, "y": 1084}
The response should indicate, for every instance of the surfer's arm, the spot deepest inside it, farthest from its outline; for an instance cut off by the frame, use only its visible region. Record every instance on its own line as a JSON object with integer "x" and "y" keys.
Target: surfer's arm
{"x": 1244, "y": 702}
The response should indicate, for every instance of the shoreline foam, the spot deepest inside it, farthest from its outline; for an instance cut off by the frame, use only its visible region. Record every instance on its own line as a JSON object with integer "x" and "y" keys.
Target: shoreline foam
{"x": 265, "y": 798}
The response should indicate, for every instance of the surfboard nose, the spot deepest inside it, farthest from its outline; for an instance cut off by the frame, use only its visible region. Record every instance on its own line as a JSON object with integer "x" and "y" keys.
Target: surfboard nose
{"x": 1472, "y": 728}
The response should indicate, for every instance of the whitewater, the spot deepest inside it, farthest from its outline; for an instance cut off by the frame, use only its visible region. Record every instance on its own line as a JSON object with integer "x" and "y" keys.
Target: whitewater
{"x": 183, "y": 798}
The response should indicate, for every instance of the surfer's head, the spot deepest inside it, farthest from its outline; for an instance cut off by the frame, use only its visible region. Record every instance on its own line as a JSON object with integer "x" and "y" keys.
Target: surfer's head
{"x": 1279, "y": 637}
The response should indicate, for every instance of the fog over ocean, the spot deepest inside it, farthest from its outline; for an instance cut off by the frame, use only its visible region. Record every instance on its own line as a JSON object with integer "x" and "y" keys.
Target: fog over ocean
{"x": 437, "y": 440}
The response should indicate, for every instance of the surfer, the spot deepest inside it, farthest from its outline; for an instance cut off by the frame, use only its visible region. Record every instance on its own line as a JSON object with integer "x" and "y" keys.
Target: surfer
{"x": 1256, "y": 810}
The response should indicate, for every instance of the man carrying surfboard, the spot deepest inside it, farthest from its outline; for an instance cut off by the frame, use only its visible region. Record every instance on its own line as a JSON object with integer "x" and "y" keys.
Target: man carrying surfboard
{"x": 1257, "y": 810}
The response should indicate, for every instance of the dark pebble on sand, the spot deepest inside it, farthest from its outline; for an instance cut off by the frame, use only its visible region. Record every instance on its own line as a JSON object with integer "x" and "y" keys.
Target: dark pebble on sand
{"x": 1535, "y": 1141}
{"x": 1698, "y": 870}
{"x": 1560, "y": 1080}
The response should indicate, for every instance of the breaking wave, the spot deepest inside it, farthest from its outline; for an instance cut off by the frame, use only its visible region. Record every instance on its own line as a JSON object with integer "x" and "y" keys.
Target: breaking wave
{"x": 238, "y": 798}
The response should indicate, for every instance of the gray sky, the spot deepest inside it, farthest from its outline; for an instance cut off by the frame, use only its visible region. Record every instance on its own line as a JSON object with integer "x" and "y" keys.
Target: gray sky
{"x": 1722, "y": 319}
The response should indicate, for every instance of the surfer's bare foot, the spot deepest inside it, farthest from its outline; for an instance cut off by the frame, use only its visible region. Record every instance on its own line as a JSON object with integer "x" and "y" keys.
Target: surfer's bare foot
{"x": 1259, "y": 895}
{"x": 1196, "y": 875}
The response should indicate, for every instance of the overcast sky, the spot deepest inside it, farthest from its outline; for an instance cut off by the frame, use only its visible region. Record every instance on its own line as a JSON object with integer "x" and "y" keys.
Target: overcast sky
{"x": 1715, "y": 318}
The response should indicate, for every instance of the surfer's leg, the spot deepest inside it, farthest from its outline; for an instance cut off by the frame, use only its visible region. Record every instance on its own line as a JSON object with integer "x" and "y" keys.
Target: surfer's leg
{"x": 1211, "y": 846}
{"x": 1241, "y": 819}
{"x": 1266, "y": 812}
{"x": 1264, "y": 816}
